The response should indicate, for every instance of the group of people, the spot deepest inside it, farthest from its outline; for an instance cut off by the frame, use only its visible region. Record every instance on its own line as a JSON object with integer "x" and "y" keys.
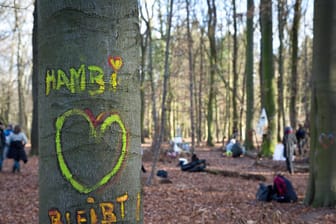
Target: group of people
{"x": 290, "y": 141}
{"x": 12, "y": 143}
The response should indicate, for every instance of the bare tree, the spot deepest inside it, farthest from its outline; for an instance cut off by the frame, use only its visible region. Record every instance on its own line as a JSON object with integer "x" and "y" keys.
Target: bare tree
{"x": 212, "y": 20}
{"x": 249, "y": 76}
{"x": 191, "y": 74}
{"x": 158, "y": 139}
{"x": 294, "y": 63}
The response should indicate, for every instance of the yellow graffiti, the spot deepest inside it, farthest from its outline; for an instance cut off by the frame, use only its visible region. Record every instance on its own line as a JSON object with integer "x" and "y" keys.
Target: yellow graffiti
{"x": 90, "y": 78}
{"x": 138, "y": 207}
{"x": 55, "y": 216}
{"x": 110, "y": 119}
{"x": 106, "y": 213}
{"x": 121, "y": 200}
{"x": 114, "y": 81}
{"x": 116, "y": 63}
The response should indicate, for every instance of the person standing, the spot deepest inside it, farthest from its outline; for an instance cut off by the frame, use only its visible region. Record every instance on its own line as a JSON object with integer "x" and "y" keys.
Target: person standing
{"x": 17, "y": 142}
{"x": 289, "y": 141}
{"x": 8, "y": 131}
{"x": 2, "y": 143}
{"x": 300, "y": 136}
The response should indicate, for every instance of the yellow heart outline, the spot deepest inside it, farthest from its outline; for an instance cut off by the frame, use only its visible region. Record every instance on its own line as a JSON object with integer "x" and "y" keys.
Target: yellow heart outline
{"x": 109, "y": 120}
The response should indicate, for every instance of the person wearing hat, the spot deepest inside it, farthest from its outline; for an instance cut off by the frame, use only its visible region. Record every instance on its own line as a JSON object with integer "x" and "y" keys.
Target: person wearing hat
{"x": 289, "y": 141}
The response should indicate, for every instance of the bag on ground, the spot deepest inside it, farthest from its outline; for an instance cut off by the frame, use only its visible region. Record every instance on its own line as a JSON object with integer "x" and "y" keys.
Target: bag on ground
{"x": 264, "y": 192}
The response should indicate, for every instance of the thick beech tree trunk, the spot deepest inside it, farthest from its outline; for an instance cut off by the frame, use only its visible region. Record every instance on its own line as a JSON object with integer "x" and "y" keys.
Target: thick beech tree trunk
{"x": 322, "y": 181}
{"x": 89, "y": 112}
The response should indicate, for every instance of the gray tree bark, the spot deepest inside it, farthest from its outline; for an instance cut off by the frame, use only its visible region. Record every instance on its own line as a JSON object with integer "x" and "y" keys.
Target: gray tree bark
{"x": 321, "y": 189}
{"x": 249, "y": 76}
{"x": 212, "y": 20}
{"x": 267, "y": 72}
{"x": 89, "y": 112}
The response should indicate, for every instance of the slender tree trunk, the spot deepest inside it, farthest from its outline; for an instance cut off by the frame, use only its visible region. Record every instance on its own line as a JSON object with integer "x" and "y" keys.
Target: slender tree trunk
{"x": 212, "y": 20}
{"x": 200, "y": 89}
{"x": 321, "y": 190}
{"x": 157, "y": 145}
{"x": 191, "y": 75}
{"x": 34, "y": 130}
{"x": 294, "y": 60}
{"x": 268, "y": 87}
{"x": 249, "y": 76}
{"x": 21, "y": 99}
{"x": 90, "y": 159}
{"x": 235, "y": 69}
{"x": 282, "y": 15}
{"x": 144, "y": 46}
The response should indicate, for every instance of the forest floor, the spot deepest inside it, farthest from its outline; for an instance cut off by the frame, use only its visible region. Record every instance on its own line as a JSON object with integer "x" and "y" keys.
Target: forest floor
{"x": 202, "y": 197}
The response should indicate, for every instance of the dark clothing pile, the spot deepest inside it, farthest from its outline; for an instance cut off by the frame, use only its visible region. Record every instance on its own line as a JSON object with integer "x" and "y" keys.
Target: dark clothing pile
{"x": 196, "y": 165}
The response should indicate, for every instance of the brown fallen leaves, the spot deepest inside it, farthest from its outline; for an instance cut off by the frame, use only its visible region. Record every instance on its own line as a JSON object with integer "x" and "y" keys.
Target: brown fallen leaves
{"x": 195, "y": 198}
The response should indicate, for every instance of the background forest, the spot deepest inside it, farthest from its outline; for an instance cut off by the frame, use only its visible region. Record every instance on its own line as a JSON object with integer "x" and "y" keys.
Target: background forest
{"x": 203, "y": 68}
{"x": 207, "y": 69}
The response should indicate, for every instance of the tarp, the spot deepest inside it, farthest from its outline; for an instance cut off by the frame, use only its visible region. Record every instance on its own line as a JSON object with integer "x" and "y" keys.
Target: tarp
{"x": 278, "y": 152}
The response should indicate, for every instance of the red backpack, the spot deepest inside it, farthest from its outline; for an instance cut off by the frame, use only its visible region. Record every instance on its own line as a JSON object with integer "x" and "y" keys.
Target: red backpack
{"x": 283, "y": 189}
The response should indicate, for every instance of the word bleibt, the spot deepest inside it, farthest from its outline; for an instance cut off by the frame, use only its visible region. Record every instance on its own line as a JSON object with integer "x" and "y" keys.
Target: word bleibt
{"x": 104, "y": 214}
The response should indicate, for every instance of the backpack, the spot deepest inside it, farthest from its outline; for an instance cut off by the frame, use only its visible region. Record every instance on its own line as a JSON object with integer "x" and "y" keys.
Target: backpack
{"x": 283, "y": 190}
{"x": 264, "y": 192}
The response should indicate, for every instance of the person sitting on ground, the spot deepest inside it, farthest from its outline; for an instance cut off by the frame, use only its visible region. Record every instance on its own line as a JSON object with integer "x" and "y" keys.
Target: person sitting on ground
{"x": 196, "y": 164}
{"x": 234, "y": 149}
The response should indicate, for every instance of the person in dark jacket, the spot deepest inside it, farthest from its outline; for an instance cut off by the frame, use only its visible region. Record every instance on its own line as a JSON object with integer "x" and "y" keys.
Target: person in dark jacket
{"x": 300, "y": 136}
{"x": 17, "y": 142}
{"x": 289, "y": 141}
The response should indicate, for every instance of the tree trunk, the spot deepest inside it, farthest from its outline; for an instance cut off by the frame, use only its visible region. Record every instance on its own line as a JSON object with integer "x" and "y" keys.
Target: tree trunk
{"x": 19, "y": 67}
{"x": 294, "y": 76}
{"x": 200, "y": 89}
{"x": 282, "y": 15}
{"x": 212, "y": 20}
{"x": 34, "y": 130}
{"x": 191, "y": 75}
{"x": 158, "y": 140}
{"x": 321, "y": 189}
{"x": 249, "y": 76}
{"x": 235, "y": 70}
{"x": 89, "y": 105}
{"x": 144, "y": 46}
{"x": 268, "y": 87}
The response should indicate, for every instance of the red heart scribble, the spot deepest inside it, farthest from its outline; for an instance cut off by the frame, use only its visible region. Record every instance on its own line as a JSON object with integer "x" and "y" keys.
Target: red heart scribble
{"x": 96, "y": 120}
{"x": 115, "y": 62}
